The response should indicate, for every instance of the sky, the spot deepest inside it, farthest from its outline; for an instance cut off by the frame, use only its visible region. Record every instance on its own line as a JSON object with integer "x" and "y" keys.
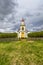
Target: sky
{"x": 12, "y": 11}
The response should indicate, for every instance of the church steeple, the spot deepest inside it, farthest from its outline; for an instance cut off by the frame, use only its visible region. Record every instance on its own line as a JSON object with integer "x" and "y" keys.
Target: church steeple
{"x": 22, "y": 22}
{"x": 22, "y": 31}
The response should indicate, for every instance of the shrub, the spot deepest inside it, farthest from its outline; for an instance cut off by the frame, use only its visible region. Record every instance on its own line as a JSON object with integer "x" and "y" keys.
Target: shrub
{"x": 35, "y": 34}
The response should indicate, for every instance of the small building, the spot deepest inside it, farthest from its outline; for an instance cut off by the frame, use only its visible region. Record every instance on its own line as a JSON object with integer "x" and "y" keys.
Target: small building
{"x": 22, "y": 32}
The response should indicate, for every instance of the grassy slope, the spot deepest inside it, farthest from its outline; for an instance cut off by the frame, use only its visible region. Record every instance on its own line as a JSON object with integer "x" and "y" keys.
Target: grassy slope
{"x": 21, "y": 53}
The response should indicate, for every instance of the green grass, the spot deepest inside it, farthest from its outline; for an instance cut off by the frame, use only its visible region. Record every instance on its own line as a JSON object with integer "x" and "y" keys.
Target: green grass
{"x": 21, "y": 53}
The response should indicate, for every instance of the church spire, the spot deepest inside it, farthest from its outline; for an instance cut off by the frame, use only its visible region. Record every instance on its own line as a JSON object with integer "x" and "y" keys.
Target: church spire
{"x": 22, "y": 22}
{"x": 22, "y": 32}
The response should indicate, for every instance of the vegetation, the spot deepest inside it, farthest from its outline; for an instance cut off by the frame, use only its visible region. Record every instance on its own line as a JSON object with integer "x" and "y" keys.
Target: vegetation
{"x": 14, "y": 35}
{"x": 21, "y": 53}
{"x": 36, "y": 34}
{"x": 8, "y": 35}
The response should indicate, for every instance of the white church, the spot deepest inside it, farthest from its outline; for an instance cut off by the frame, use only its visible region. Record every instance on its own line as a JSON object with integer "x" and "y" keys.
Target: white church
{"x": 22, "y": 32}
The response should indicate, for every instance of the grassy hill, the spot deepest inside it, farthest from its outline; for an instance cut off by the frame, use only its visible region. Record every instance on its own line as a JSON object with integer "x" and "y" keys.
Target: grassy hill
{"x": 21, "y": 53}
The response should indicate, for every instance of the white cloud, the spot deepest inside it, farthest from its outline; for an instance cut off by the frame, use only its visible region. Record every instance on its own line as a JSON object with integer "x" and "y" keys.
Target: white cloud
{"x": 1, "y": 30}
{"x": 32, "y": 10}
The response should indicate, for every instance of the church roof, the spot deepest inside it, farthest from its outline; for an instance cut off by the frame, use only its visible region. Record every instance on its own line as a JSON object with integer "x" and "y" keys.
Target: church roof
{"x": 22, "y": 20}
{"x": 22, "y": 25}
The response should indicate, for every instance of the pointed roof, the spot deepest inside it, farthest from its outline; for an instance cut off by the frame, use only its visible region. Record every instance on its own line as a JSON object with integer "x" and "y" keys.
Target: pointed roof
{"x": 22, "y": 20}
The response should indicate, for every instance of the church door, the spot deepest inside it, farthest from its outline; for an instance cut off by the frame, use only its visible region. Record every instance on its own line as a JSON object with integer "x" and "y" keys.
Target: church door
{"x": 22, "y": 35}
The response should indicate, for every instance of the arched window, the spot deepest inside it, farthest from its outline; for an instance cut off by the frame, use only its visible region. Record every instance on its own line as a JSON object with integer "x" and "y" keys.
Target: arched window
{"x": 22, "y": 28}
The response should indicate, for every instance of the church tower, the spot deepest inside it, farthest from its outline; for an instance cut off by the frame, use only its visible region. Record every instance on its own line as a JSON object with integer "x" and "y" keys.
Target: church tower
{"x": 22, "y": 33}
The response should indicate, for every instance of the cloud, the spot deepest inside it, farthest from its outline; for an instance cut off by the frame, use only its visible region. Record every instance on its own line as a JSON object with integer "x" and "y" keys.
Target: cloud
{"x": 6, "y": 7}
{"x": 30, "y": 10}
{"x": 7, "y": 14}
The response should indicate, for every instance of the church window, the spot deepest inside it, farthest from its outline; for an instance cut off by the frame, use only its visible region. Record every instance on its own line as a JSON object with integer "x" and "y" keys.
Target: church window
{"x": 22, "y": 28}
